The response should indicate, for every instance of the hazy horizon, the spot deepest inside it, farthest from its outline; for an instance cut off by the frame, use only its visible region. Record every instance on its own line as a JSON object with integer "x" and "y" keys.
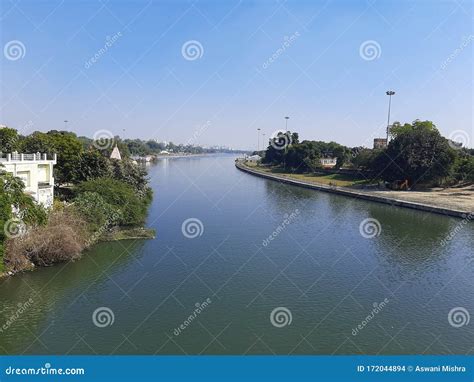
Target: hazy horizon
{"x": 211, "y": 73}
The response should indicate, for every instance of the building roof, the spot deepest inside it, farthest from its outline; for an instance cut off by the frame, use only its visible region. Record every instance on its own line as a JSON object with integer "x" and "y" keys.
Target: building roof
{"x": 116, "y": 154}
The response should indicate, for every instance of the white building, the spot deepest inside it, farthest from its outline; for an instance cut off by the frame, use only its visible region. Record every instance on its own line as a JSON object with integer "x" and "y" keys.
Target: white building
{"x": 328, "y": 162}
{"x": 116, "y": 154}
{"x": 253, "y": 159}
{"x": 35, "y": 170}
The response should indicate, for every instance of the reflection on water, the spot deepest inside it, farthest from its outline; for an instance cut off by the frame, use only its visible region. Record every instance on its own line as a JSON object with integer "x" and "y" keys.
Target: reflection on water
{"x": 317, "y": 266}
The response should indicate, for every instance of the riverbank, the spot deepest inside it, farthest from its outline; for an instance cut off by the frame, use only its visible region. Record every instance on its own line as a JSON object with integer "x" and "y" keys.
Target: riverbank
{"x": 115, "y": 234}
{"x": 436, "y": 201}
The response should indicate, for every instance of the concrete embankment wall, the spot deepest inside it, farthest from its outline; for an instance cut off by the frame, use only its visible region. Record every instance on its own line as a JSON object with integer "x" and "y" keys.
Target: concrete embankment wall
{"x": 355, "y": 194}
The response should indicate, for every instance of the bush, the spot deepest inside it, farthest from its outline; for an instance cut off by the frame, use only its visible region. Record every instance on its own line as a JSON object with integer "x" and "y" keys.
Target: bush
{"x": 98, "y": 213}
{"x": 62, "y": 239}
{"x": 122, "y": 197}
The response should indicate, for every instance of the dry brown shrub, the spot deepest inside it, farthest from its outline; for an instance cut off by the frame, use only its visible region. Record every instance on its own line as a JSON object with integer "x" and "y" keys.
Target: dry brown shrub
{"x": 62, "y": 239}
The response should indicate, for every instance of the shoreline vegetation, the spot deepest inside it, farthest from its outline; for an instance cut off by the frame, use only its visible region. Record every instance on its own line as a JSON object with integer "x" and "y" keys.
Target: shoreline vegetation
{"x": 97, "y": 198}
{"x": 418, "y": 168}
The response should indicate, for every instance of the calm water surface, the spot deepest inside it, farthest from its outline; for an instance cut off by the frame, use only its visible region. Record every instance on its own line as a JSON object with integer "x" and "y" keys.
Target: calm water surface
{"x": 318, "y": 267}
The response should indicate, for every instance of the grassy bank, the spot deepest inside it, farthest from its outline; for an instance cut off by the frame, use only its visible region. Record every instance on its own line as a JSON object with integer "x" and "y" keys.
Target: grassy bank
{"x": 458, "y": 202}
{"x": 339, "y": 180}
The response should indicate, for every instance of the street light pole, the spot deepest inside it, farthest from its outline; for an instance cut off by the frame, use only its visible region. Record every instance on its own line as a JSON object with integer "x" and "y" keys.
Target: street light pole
{"x": 286, "y": 123}
{"x": 65, "y": 124}
{"x": 258, "y": 140}
{"x": 390, "y": 93}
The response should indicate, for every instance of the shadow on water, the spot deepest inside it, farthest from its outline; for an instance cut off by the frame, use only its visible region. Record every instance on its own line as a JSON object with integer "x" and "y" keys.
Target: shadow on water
{"x": 53, "y": 289}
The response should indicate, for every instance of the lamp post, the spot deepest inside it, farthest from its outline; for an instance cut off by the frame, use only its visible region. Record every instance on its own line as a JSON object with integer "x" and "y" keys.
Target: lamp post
{"x": 258, "y": 139}
{"x": 286, "y": 123}
{"x": 65, "y": 124}
{"x": 263, "y": 143}
{"x": 390, "y": 93}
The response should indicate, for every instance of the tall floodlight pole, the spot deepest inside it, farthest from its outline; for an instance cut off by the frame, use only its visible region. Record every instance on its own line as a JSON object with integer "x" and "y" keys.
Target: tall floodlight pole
{"x": 65, "y": 124}
{"x": 390, "y": 93}
{"x": 258, "y": 139}
{"x": 286, "y": 129}
{"x": 263, "y": 143}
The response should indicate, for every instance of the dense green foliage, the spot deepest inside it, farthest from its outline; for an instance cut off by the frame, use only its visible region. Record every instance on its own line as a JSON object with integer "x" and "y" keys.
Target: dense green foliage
{"x": 96, "y": 211}
{"x": 286, "y": 150}
{"x": 106, "y": 193}
{"x": 417, "y": 152}
{"x": 63, "y": 143}
{"x": 123, "y": 199}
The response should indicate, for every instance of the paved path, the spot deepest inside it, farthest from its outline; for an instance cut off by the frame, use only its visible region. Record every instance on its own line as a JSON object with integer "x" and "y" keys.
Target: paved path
{"x": 451, "y": 202}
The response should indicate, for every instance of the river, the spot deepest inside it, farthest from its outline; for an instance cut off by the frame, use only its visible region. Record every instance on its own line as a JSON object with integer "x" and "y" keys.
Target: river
{"x": 317, "y": 273}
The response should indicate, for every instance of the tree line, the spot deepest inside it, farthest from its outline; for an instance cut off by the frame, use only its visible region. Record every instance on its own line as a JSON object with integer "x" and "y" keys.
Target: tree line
{"x": 417, "y": 153}
{"x": 93, "y": 195}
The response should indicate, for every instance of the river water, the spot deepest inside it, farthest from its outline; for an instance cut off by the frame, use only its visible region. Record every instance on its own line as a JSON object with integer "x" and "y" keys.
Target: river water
{"x": 319, "y": 275}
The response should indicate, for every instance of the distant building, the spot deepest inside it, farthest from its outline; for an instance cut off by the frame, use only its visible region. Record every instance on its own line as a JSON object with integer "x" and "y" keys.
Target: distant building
{"x": 36, "y": 172}
{"x": 328, "y": 162}
{"x": 254, "y": 158}
{"x": 380, "y": 143}
{"x": 116, "y": 154}
{"x": 164, "y": 152}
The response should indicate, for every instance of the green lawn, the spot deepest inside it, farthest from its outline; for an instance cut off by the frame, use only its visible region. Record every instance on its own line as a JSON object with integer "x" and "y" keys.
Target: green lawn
{"x": 340, "y": 180}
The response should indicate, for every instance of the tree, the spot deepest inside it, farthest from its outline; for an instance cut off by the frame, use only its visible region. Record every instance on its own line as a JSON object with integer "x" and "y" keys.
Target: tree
{"x": 92, "y": 164}
{"x": 304, "y": 156}
{"x": 123, "y": 198}
{"x": 417, "y": 153}
{"x": 463, "y": 167}
{"x": 63, "y": 143}
{"x": 278, "y": 146}
{"x": 96, "y": 211}
{"x": 132, "y": 174}
{"x": 8, "y": 140}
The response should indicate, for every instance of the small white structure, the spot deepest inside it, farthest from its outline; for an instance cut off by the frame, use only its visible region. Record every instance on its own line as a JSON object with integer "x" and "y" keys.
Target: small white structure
{"x": 164, "y": 152}
{"x": 116, "y": 154}
{"x": 328, "y": 162}
{"x": 36, "y": 172}
{"x": 254, "y": 158}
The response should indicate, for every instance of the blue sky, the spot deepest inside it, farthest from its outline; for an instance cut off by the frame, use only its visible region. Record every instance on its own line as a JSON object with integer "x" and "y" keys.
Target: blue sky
{"x": 143, "y": 85}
